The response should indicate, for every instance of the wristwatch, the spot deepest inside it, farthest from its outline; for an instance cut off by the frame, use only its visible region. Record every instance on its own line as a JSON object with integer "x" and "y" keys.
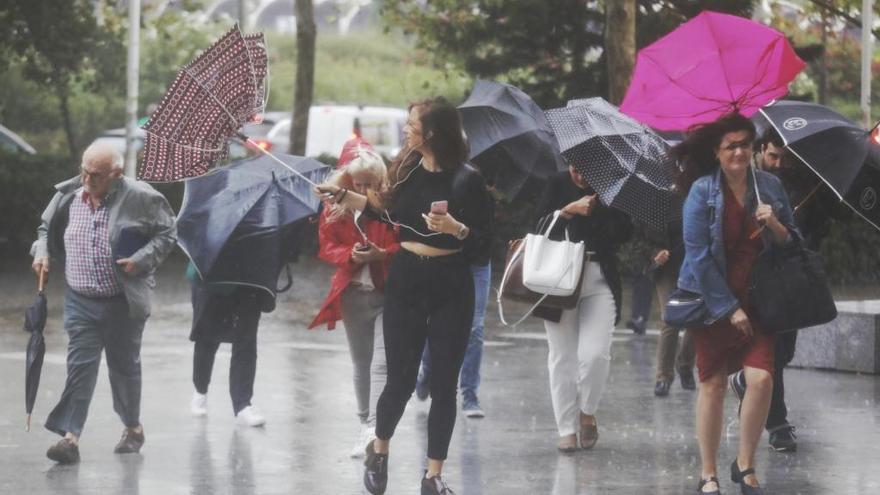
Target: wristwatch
{"x": 462, "y": 232}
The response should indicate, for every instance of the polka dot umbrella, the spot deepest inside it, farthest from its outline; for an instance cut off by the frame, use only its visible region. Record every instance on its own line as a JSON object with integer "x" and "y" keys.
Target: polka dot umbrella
{"x": 211, "y": 98}
{"x": 624, "y": 161}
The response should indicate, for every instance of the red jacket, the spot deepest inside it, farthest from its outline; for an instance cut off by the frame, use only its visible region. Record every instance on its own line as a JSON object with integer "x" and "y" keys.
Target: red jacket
{"x": 336, "y": 240}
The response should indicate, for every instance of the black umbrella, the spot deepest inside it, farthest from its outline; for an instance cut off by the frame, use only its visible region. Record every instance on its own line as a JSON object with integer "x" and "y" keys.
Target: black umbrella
{"x": 510, "y": 139}
{"x": 838, "y": 150}
{"x": 624, "y": 161}
{"x": 243, "y": 213}
{"x": 34, "y": 323}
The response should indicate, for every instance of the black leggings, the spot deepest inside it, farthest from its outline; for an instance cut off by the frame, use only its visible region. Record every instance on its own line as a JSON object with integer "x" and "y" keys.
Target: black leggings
{"x": 242, "y": 369}
{"x": 425, "y": 299}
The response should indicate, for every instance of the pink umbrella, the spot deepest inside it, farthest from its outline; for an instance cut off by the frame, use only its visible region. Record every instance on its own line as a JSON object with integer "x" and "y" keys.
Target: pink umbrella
{"x": 712, "y": 65}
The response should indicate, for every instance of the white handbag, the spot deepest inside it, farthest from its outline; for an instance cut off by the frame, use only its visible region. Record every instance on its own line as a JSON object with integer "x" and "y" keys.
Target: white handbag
{"x": 552, "y": 267}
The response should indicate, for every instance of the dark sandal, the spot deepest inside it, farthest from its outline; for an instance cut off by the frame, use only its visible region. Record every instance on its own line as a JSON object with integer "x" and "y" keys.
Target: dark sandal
{"x": 738, "y": 476}
{"x": 711, "y": 479}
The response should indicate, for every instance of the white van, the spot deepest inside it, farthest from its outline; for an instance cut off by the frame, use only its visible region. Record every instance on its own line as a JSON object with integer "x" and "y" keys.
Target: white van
{"x": 330, "y": 126}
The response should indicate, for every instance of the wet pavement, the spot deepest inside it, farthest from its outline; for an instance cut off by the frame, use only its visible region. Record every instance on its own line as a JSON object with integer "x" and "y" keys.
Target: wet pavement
{"x": 646, "y": 445}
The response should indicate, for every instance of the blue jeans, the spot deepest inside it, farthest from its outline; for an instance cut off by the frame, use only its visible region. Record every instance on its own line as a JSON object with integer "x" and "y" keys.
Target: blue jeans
{"x": 93, "y": 325}
{"x": 470, "y": 368}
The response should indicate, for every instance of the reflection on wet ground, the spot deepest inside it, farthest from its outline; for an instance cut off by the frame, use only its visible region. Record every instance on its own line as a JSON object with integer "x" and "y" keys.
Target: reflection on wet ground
{"x": 647, "y": 445}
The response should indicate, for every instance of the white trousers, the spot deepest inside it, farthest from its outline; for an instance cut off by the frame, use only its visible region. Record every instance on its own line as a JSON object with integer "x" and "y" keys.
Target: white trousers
{"x": 580, "y": 351}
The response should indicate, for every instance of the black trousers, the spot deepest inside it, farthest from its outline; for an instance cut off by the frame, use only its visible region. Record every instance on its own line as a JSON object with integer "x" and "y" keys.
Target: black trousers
{"x": 784, "y": 353}
{"x": 426, "y": 299}
{"x": 242, "y": 369}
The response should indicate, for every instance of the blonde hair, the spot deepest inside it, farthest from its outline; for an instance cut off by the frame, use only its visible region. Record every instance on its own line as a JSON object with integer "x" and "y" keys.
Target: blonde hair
{"x": 365, "y": 161}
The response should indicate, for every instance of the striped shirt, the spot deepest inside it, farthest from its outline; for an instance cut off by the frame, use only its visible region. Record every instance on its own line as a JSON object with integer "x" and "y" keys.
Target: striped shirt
{"x": 89, "y": 260}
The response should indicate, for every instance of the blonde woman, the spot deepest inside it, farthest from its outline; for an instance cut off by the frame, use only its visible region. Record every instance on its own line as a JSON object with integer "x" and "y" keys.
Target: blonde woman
{"x": 361, "y": 249}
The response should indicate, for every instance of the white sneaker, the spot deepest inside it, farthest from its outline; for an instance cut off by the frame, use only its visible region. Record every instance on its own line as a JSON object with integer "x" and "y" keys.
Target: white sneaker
{"x": 199, "y": 405}
{"x": 365, "y": 436}
{"x": 250, "y": 416}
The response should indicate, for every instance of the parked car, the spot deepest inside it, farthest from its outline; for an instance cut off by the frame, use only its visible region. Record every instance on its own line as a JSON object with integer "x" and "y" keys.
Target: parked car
{"x": 11, "y": 141}
{"x": 330, "y": 126}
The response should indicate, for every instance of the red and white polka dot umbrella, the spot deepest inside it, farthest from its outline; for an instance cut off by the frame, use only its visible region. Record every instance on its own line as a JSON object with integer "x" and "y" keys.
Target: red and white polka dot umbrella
{"x": 209, "y": 101}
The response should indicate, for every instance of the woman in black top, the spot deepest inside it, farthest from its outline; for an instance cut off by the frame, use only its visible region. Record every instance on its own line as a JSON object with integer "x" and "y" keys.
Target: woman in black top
{"x": 429, "y": 295}
{"x": 579, "y": 339}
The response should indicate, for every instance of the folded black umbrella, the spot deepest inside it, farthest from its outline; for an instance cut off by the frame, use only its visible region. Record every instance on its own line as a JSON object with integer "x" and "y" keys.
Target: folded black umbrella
{"x": 624, "y": 161}
{"x": 34, "y": 323}
{"x": 510, "y": 139}
{"x": 836, "y": 149}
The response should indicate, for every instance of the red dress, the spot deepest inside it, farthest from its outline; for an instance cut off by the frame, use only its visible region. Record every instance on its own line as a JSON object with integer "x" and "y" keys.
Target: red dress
{"x": 721, "y": 346}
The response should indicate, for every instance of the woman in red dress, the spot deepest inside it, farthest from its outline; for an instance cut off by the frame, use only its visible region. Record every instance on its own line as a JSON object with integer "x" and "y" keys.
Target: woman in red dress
{"x": 726, "y": 226}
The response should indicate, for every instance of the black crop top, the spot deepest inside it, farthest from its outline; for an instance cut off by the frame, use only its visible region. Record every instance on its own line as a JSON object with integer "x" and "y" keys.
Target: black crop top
{"x": 469, "y": 203}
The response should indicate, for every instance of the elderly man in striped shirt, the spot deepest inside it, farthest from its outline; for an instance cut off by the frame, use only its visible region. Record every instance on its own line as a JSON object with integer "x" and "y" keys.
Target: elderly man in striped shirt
{"x": 111, "y": 232}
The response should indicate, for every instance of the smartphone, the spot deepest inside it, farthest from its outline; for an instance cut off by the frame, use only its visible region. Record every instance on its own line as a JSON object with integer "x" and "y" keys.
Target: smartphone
{"x": 440, "y": 207}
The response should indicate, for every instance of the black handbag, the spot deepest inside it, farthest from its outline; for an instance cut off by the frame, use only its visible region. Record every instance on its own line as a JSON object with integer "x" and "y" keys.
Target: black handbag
{"x": 686, "y": 309}
{"x": 789, "y": 290}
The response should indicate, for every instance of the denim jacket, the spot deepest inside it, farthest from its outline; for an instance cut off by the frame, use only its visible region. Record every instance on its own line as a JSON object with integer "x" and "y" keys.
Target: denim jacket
{"x": 704, "y": 270}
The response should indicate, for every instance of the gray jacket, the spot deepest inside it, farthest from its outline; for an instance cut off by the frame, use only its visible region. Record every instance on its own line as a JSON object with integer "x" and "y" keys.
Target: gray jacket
{"x": 134, "y": 205}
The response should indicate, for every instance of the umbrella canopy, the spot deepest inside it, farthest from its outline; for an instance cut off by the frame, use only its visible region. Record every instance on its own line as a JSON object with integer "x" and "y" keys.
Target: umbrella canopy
{"x": 34, "y": 323}
{"x": 240, "y": 212}
{"x": 509, "y": 136}
{"x": 712, "y": 65}
{"x": 836, "y": 149}
{"x": 209, "y": 101}
{"x": 625, "y": 162}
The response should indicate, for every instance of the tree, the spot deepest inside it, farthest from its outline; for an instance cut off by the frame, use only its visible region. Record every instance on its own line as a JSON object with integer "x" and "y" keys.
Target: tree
{"x": 306, "y": 33}
{"x": 56, "y": 41}
{"x": 552, "y": 49}
{"x": 620, "y": 44}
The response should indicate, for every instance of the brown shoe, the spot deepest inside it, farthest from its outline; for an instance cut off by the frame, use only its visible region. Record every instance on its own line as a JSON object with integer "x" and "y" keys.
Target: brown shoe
{"x": 567, "y": 444}
{"x": 589, "y": 431}
{"x": 131, "y": 442}
{"x": 64, "y": 452}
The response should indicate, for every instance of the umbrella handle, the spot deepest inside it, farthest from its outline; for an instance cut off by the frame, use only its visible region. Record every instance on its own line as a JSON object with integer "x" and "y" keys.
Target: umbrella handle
{"x": 27, "y": 426}
{"x": 41, "y": 280}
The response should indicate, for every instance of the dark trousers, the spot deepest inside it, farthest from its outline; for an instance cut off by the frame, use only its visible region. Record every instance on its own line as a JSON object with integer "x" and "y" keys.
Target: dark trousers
{"x": 93, "y": 325}
{"x": 242, "y": 369}
{"x": 426, "y": 299}
{"x": 784, "y": 353}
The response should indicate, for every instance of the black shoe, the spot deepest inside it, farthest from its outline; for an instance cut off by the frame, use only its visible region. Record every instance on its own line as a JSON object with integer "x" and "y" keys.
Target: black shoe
{"x": 687, "y": 379}
{"x": 376, "y": 472}
{"x": 637, "y": 325}
{"x": 130, "y": 443}
{"x": 782, "y": 439}
{"x": 737, "y": 476}
{"x": 661, "y": 388}
{"x": 435, "y": 486}
{"x": 738, "y": 385}
{"x": 710, "y": 479}
{"x": 64, "y": 452}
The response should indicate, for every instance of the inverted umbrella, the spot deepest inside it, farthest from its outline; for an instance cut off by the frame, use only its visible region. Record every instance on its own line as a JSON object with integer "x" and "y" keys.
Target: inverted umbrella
{"x": 624, "y": 161}
{"x": 240, "y": 212}
{"x": 34, "y": 323}
{"x": 510, "y": 139}
{"x": 712, "y": 65}
{"x": 209, "y": 101}
{"x": 836, "y": 149}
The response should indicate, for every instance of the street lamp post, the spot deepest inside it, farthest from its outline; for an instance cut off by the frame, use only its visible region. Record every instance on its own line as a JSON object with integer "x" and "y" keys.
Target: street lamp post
{"x": 131, "y": 93}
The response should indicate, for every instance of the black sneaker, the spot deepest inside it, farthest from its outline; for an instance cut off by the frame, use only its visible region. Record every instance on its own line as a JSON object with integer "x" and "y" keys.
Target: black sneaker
{"x": 738, "y": 385}
{"x": 64, "y": 452}
{"x": 131, "y": 442}
{"x": 661, "y": 388}
{"x": 637, "y": 325}
{"x": 376, "y": 472}
{"x": 435, "y": 486}
{"x": 782, "y": 439}
{"x": 687, "y": 379}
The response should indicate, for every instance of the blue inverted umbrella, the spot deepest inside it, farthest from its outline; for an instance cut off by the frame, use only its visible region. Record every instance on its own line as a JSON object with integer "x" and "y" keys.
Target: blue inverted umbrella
{"x": 236, "y": 222}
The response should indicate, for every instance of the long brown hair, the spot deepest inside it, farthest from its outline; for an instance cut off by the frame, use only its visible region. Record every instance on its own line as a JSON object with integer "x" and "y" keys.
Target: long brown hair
{"x": 442, "y": 133}
{"x": 696, "y": 155}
